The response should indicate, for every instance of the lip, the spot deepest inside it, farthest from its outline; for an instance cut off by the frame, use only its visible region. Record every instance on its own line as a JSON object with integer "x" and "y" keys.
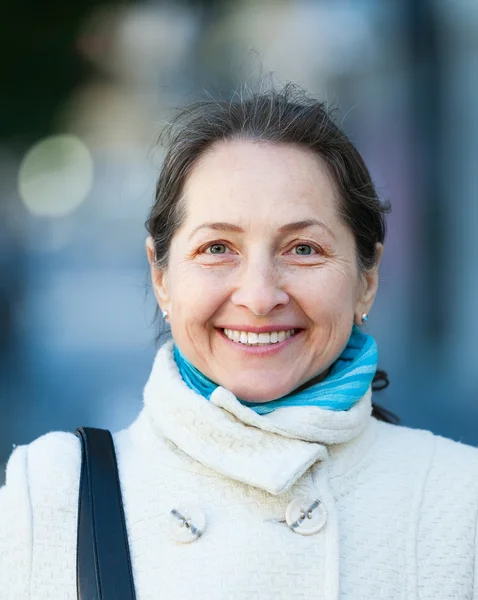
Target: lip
{"x": 261, "y": 350}
{"x": 267, "y": 329}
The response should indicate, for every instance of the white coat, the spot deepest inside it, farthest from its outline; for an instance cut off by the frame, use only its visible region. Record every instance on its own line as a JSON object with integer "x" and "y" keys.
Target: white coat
{"x": 396, "y": 517}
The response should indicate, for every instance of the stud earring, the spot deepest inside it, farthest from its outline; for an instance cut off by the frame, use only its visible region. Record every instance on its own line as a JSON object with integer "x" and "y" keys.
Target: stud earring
{"x": 165, "y": 314}
{"x": 364, "y": 317}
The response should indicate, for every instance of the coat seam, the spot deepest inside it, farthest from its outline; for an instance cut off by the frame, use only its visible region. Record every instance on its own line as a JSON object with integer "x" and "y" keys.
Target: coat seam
{"x": 474, "y": 556}
{"x": 30, "y": 504}
{"x": 419, "y": 504}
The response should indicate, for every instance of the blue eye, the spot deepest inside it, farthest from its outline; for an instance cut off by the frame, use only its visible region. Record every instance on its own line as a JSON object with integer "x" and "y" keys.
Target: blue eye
{"x": 303, "y": 249}
{"x": 217, "y": 249}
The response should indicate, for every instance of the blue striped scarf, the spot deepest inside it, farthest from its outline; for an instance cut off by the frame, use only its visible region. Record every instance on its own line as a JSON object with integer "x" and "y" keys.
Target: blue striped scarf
{"x": 347, "y": 382}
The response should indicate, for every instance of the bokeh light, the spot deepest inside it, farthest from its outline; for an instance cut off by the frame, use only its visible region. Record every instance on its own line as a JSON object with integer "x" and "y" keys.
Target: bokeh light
{"x": 56, "y": 176}
{"x": 76, "y": 308}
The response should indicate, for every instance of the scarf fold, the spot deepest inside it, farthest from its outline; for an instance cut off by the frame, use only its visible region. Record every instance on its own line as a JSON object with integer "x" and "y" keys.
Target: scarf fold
{"x": 270, "y": 451}
{"x": 346, "y": 383}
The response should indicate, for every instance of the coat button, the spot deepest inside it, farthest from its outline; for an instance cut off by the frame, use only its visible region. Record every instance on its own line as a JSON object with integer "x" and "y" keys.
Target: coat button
{"x": 186, "y": 524}
{"x": 305, "y": 516}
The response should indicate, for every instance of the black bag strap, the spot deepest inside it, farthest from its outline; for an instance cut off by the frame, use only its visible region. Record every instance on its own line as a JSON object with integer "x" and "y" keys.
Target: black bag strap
{"x": 103, "y": 564}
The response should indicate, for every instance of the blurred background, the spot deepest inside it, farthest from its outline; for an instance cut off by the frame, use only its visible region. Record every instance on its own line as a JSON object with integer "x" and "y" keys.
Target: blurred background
{"x": 85, "y": 88}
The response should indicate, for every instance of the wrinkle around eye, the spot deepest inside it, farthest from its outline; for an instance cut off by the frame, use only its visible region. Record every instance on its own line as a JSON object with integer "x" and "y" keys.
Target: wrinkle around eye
{"x": 205, "y": 257}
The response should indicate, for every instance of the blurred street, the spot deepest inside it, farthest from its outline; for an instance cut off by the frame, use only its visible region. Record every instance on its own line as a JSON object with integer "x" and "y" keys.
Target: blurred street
{"x": 85, "y": 91}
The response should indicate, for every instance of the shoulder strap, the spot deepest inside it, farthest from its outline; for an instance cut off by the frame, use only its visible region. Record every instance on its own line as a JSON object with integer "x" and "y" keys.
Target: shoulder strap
{"x": 103, "y": 564}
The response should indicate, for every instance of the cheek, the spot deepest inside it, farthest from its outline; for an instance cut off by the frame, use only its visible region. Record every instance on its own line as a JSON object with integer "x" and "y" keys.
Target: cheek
{"x": 196, "y": 293}
{"x": 328, "y": 293}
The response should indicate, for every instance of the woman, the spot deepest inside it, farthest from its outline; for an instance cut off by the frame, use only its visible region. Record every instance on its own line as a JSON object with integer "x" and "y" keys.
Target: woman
{"x": 257, "y": 429}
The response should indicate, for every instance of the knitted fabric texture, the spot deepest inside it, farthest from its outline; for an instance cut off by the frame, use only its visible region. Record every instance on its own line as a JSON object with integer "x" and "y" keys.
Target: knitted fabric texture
{"x": 401, "y": 504}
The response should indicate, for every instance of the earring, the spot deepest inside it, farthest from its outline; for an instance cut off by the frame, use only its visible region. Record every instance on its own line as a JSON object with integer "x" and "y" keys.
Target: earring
{"x": 165, "y": 314}
{"x": 364, "y": 317}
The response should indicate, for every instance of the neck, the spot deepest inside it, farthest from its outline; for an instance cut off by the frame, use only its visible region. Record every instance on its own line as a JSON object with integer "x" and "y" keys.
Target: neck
{"x": 338, "y": 388}
{"x": 266, "y": 451}
{"x": 317, "y": 379}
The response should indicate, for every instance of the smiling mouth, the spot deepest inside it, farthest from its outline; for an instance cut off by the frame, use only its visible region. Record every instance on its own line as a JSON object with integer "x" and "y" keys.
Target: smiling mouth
{"x": 248, "y": 338}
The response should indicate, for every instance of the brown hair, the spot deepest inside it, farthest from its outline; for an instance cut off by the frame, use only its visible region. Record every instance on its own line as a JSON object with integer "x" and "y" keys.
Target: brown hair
{"x": 287, "y": 116}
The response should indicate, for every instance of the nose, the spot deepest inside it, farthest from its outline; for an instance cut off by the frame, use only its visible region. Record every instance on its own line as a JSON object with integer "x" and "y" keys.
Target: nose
{"x": 259, "y": 290}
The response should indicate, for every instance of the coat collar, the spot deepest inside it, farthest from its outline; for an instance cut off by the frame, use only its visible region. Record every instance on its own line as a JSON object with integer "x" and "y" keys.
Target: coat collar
{"x": 271, "y": 451}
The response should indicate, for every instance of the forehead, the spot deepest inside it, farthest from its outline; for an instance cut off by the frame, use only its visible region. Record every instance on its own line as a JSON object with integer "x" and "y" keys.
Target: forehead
{"x": 253, "y": 181}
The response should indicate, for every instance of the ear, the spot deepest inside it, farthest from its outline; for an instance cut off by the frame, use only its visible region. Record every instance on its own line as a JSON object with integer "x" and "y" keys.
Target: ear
{"x": 369, "y": 288}
{"x": 158, "y": 277}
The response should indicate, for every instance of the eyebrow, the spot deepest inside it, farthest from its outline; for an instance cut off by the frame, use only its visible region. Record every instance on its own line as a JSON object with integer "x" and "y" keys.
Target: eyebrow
{"x": 287, "y": 228}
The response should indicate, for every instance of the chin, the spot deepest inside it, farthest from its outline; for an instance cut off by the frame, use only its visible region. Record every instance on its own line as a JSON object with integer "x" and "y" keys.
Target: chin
{"x": 258, "y": 393}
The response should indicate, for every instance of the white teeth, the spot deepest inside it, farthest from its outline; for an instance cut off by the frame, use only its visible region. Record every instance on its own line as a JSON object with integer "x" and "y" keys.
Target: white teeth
{"x": 255, "y": 339}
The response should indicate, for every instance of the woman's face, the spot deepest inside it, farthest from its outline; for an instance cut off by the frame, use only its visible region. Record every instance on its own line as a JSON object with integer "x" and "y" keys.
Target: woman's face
{"x": 262, "y": 286}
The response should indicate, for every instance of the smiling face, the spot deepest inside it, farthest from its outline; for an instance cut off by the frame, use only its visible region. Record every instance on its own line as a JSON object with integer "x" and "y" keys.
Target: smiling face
{"x": 262, "y": 251}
